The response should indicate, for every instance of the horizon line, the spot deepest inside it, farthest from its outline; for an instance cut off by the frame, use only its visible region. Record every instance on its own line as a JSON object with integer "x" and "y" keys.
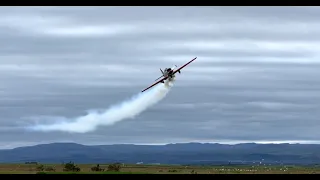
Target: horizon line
{"x": 226, "y": 142}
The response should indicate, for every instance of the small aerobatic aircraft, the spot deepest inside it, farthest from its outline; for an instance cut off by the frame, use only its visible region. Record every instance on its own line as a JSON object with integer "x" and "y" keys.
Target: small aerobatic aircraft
{"x": 168, "y": 73}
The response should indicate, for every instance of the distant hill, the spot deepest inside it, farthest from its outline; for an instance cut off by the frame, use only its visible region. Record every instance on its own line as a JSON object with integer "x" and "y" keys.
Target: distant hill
{"x": 188, "y": 153}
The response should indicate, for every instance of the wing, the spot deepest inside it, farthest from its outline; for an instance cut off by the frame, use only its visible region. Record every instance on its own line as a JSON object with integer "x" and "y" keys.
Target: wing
{"x": 155, "y": 84}
{"x": 184, "y": 65}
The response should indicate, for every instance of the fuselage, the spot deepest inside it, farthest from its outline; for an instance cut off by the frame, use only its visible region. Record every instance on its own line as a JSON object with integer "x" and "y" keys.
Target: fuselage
{"x": 168, "y": 72}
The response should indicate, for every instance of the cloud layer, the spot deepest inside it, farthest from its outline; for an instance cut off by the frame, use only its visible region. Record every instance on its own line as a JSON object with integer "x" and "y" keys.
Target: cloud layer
{"x": 255, "y": 79}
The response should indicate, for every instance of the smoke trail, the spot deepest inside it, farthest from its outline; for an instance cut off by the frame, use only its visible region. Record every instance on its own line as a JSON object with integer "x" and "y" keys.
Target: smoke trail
{"x": 125, "y": 110}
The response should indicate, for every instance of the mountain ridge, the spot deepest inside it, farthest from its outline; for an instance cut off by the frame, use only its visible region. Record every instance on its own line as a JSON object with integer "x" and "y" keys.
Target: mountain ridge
{"x": 174, "y": 153}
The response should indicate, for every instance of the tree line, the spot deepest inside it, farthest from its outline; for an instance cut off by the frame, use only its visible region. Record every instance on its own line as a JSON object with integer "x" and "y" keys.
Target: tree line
{"x": 72, "y": 167}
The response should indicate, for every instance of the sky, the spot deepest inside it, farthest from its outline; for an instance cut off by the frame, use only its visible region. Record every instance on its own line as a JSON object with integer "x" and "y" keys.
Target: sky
{"x": 256, "y": 77}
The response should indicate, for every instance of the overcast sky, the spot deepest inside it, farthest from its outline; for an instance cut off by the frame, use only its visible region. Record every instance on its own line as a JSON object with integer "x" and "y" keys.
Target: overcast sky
{"x": 256, "y": 78}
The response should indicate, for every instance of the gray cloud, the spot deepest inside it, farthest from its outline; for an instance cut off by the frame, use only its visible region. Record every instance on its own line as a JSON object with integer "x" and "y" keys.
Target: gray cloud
{"x": 256, "y": 77}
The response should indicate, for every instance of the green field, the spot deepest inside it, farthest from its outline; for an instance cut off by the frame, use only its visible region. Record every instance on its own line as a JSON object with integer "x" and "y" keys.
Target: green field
{"x": 159, "y": 169}
{"x": 106, "y": 172}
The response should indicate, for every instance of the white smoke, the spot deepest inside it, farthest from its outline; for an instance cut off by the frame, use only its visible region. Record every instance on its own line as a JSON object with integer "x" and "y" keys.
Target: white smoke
{"x": 116, "y": 113}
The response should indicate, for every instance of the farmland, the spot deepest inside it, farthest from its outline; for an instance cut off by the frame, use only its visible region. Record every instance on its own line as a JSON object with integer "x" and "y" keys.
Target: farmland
{"x": 156, "y": 169}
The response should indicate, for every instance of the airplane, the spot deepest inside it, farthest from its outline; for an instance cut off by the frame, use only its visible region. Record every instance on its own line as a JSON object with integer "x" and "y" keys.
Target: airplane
{"x": 168, "y": 73}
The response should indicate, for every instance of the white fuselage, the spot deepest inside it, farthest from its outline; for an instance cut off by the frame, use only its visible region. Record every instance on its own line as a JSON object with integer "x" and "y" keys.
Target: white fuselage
{"x": 168, "y": 72}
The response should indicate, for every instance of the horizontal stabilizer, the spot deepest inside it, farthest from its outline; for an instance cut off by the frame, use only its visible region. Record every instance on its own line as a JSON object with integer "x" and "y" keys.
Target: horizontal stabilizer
{"x": 159, "y": 77}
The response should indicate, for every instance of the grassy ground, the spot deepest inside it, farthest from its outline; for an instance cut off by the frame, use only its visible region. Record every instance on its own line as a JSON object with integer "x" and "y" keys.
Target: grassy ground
{"x": 164, "y": 169}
